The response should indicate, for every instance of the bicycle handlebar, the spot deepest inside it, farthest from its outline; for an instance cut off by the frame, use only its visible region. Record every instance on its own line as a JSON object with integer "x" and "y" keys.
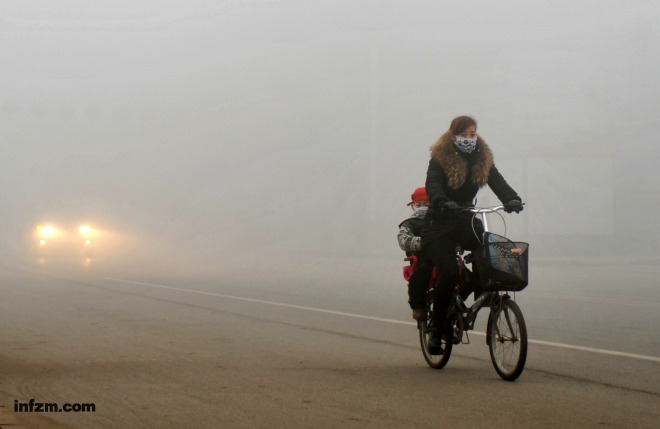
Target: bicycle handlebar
{"x": 480, "y": 210}
{"x": 484, "y": 209}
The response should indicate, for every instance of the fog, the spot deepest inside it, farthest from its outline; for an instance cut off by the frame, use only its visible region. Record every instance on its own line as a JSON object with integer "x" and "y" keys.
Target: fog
{"x": 284, "y": 137}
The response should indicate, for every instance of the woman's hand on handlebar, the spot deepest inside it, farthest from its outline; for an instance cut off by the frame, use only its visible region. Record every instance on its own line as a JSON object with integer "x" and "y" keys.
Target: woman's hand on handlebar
{"x": 513, "y": 206}
{"x": 451, "y": 205}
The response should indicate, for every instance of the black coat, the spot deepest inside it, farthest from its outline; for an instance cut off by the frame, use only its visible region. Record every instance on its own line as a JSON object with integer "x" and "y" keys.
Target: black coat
{"x": 455, "y": 176}
{"x": 439, "y": 192}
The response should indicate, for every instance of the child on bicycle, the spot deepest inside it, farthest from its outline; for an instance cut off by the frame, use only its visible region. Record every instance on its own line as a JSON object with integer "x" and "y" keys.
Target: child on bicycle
{"x": 411, "y": 242}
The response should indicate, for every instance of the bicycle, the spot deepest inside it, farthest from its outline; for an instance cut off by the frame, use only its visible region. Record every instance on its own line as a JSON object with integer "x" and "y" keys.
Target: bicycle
{"x": 502, "y": 268}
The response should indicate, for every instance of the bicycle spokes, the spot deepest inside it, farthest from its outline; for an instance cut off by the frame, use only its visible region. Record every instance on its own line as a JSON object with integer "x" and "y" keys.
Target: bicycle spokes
{"x": 510, "y": 329}
{"x": 508, "y": 340}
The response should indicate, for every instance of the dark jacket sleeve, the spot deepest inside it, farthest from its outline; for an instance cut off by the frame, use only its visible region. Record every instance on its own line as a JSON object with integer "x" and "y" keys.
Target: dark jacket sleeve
{"x": 435, "y": 185}
{"x": 499, "y": 186}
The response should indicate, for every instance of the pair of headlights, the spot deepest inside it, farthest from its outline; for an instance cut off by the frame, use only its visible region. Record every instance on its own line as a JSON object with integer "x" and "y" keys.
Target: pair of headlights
{"x": 50, "y": 230}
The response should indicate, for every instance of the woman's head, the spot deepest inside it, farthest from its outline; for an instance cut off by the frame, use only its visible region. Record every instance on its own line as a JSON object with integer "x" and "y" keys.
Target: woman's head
{"x": 463, "y": 131}
{"x": 464, "y": 126}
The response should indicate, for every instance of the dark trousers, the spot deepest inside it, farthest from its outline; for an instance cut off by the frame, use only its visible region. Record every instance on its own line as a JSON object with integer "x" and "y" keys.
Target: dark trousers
{"x": 419, "y": 282}
{"x": 440, "y": 239}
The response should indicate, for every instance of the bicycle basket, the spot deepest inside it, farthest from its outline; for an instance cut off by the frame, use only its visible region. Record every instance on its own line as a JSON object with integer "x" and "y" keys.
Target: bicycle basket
{"x": 502, "y": 263}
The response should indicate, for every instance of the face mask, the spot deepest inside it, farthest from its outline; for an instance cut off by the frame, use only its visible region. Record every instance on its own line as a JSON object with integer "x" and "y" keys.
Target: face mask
{"x": 465, "y": 144}
{"x": 420, "y": 212}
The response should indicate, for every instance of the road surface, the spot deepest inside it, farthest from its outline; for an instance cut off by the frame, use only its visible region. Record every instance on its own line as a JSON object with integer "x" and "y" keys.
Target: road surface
{"x": 153, "y": 352}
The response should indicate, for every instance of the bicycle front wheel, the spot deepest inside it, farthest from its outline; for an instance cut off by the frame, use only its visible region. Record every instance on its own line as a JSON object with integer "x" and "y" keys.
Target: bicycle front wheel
{"x": 507, "y": 339}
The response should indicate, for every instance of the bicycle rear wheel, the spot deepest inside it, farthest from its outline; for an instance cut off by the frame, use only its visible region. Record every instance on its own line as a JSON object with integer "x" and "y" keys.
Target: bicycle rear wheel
{"x": 436, "y": 361}
{"x": 507, "y": 339}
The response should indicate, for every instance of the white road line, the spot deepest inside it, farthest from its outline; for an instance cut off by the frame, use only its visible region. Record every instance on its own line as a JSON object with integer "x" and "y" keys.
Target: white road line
{"x": 592, "y": 299}
{"x": 378, "y": 319}
{"x": 592, "y": 350}
{"x": 278, "y": 304}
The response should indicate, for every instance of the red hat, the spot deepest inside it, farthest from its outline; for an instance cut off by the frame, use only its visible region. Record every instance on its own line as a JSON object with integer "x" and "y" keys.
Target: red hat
{"x": 418, "y": 194}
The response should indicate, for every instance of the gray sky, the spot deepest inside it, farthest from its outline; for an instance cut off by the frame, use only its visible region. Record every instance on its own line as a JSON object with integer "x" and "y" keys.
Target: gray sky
{"x": 237, "y": 131}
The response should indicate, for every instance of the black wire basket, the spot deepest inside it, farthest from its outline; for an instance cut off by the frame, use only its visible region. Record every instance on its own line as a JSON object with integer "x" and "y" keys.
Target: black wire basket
{"x": 502, "y": 263}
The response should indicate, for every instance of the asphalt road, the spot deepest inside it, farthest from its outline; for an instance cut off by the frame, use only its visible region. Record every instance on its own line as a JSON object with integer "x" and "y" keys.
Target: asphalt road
{"x": 153, "y": 352}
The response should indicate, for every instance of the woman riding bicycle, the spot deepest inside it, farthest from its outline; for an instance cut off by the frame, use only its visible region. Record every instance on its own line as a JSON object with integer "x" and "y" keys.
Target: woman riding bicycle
{"x": 461, "y": 163}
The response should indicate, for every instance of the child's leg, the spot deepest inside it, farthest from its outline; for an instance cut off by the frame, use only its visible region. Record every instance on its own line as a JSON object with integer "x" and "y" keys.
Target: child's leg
{"x": 418, "y": 285}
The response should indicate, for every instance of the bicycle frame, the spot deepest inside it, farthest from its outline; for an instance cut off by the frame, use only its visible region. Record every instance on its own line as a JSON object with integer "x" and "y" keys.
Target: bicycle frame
{"x": 467, "y": 316}
{"x": 506, "y": 333}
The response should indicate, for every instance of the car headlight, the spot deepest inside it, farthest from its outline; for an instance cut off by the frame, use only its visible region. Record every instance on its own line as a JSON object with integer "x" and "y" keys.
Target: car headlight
{"x": 45, "y": 230}
{"x": 85, "y": 229}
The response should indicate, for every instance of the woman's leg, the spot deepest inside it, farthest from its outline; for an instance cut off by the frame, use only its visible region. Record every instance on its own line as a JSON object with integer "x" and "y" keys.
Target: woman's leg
{"x": 443, "y": 254}
{"x": 471, "y": 239}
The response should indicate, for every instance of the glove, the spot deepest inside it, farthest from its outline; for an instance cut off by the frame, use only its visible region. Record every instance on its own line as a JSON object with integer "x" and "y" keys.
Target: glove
{"x": 513, "y": 206}
{"x": 450, "y": 205}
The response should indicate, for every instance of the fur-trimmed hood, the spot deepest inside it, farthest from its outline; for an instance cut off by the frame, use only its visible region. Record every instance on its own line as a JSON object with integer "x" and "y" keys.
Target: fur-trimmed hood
{"x": 455, "y": 166}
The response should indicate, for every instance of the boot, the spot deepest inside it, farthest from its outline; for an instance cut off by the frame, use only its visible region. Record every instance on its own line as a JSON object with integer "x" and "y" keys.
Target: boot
{"x": 419, "y": 314}
{"x": 435, "y": 343}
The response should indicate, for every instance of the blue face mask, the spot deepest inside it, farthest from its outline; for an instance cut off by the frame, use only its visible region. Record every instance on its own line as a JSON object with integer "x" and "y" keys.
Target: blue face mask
{"x": 465, "y": 144}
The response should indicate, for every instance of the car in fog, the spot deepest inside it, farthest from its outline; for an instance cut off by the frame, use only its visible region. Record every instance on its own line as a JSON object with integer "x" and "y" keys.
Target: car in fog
{"x": 56, "y": 239}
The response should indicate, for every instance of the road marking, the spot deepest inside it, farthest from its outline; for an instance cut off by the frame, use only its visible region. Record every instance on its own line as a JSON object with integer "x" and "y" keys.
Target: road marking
{"x": 278, "y": 304}
{"x": 378, "y": 319}
{"x": 592, "y": 350}
{"x": 593, "y": 299}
